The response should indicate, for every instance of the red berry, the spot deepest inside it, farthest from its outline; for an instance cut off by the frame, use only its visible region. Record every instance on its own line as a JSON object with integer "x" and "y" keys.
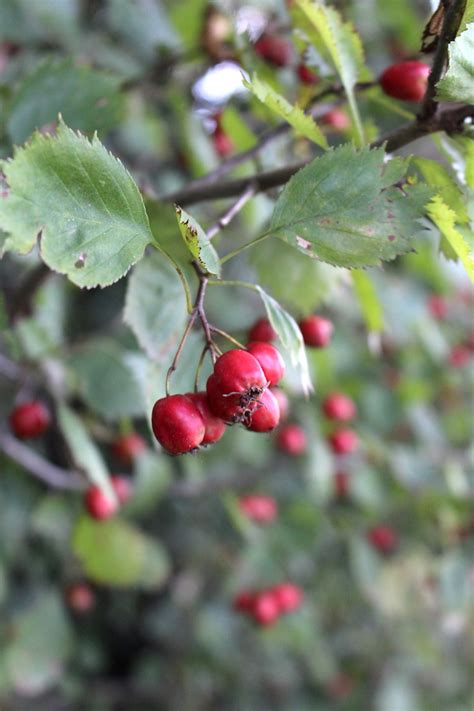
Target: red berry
{"x": 127, "y": 448}
{"x": 122, "y": 488}
{"x": 316, "y": 331}
{"x": 338, "y": 406}
{"x": 406, "y": 80}
{"x": 262, "y": 330}
{"x": 223, "y": 143}
{"x": 341, "y": 484}
{"x": 226, "y": 407}
{"x": 266, "y": 415}
{"x": 243, "y": 601}
{"x": 270, "y": 361}
{"x": 306, "y": 75}
{"x": 265, "y": 609}
{"x": 238, "y": 371}
{"x": 98, "y": 504}
{"x": 283, "y": 403}
{"x": 177, "y": 424}
{"x": 258, "y": 507}
{"x": 291, "y": 439}
{"x": 30, "y": 419}
{"x": 336, "y": 119}
{"x": 274, "y": 49}
{"x": 215, "y": 427}
{"x": 459, "y": 356}
{"x": 80, "y": 597}
{"x": 288, "y": 597}
{"x": 438, "y": 307}
{"x": 383, "y": 538}
{"x": 343, "y": 441}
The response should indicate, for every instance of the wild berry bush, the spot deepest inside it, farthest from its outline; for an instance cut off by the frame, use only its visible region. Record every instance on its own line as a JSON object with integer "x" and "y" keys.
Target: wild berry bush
{"x": 237, "y": 355}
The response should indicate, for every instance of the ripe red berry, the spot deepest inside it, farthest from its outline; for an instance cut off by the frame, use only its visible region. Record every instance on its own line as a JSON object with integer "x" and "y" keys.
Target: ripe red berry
{"x": 236, "y": 385}
{"x": 262, "y": 330}
{"x": 266, "y": 415}
{"x": 98, "y": 504}
{"x": 274, "y": 50}
{"x": 177, "y": 424}
{"x": 383, "y": 538}
{"x": 291, "y": 439}
{"x": 270, "y": 361}
{"x": 226, "y": 407}
{"x": 258, "y": 507}
{"x": 338, "y": 406}
{"x": 122, "y": 488}
{"x": 243, "y": 601}
{"x": 288, "y": 597}
{"x": 80, "y": 598}
{"x": 406, "y": 80}
{"x": 437, "y": 306}
{"x": 265, "y": 609}
{"x": 343, "y": 441}
{"x": 341, "y": 484}
{"x": 283, "y": 403}
{"x": 306, "y": 75}
{"x": 215, "y": 427}
{"x": 30, "y": 419}
{"x": 336, "y": 119}
{"x": 316, "y": 331}
{"x": 459, "y": 356}
{"x": 127, "y": 448}
{"x": 223, "y": 143}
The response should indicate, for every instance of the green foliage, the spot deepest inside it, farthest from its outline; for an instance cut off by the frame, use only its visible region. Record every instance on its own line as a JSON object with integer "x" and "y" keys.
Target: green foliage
{"x": 198, "y": 242}
{"x": 463, "y": 245}
{"x": 458, "y": 82}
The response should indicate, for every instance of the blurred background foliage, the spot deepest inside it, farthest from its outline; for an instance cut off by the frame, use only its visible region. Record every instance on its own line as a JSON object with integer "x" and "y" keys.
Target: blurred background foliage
{"x": 386, "y": 632}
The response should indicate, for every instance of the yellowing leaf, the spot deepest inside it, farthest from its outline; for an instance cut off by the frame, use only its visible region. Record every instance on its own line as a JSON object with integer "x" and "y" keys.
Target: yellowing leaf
{"x": 445, "y": 219}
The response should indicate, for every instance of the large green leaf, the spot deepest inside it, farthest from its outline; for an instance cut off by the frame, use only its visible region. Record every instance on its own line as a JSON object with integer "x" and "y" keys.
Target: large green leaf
{"x": 116, "y": 553}
{"x": 303, "y": 124}
{"x": 458, "y": 82}
{"x": 155, "y": 306}
{"x": 83, "y": 203}
{"x": 445, "y": 219}
{"x": 198, "y": 242}
{"x": 88, "y": 100}
{"x": 343, "y": 208}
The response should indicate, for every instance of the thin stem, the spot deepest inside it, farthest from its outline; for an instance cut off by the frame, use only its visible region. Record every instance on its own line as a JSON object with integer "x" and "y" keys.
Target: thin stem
{"x": 227, "y": 336}
{"x": 184, "y": 281}
{"x": 199, "y": 367}
{"x": 177, "y": 355}
{"x": 234, "y": 282}
{"x": 233, "y": 210}
{"x": 244, "y": 247}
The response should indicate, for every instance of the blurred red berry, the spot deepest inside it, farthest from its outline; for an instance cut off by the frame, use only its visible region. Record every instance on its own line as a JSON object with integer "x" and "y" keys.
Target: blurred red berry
{"x": 383, "y": 538}
{"x": 270, "y": 360}
{"x": 459, "y": 356}
{"x": 437, "y": 306}
{"x": 29, "y": 420}
{"x": 406, "y": 80}
{"x": 223, "y": 143}
{"x": 80, "y": 598}
{"x": 99, "y": 505}
{"x": 288, "y": 596}
{"x": 274, "y": 50}
{"x": 265, "y": 608}
{"x": 316, "y": 331}
{"x": 128, "y": 447}
{"x": 343, "y": 441}
{"x": 122, "y": 488}
{"x": 262, "y": 330}
{"x": 292, "y": 439}
{"x": 336, "y": 119}
{"x": 243, "y": 601}
{"x": 259, "y": 508}
{"x": 283, "y": 403}
{"x": 338, "y": 406}
{"x": 306, "y": 75}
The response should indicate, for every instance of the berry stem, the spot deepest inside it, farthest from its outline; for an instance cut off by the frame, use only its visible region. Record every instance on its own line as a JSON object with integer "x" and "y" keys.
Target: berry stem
{"x": 233, "y": 210}
{"x": 199, "y": 367}
{"x": 177, "y": 355}
{"x": 227, "y": 336}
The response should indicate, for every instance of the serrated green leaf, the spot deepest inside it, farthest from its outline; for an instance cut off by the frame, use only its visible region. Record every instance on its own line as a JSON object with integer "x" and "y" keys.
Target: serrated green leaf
{"x": 341, "y": 44}
{"x": 368, "y": 300}
{"x": 198, "y": 242}
{"x": 458, "y": 82}
{"x": 438, "y": 177}
{"x": 85, "y": 453}
{"x": 303, "y": 124}
{"x": 88, "y": 100}
{"x": 81, "y": 200}
{"x": 155, "y": 306}
{"x": 445, "y": 219}
{"x": 289, "y": 335}
{"x": 116, "y": 553}
{"x": 341, "y": 209}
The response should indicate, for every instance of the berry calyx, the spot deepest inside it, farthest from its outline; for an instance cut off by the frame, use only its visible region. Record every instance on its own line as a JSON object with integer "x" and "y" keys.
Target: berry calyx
{"x": 270, "y": 361}
{"x": 343, "y": 441}
{"x": 122, "y": 488}
{"x": 80, "y": 598}
{"x": 406, "y": 80}
{"x": 383, "y": 538}
{"x": 288, "y": 597}
{"x": 336, "y": 119}
{"x": 177, "y": 424}
{"x": 29, "y": 420}
{"x": 227, "y": 407}
{"x": 338, "y": 406}
{"x": 215, "y": 427}
{"x": 283, "y": 402}
{"x": 259, "y": 508}
{"x": 265, "y": 609}
{"x": 292, "y": 440}
{"x": 316, "y": 331}
{"x": 273, "y": 49}
{"x": 262, "y": 330}
{"x": 306, "y": 75}
{"x": 266, "y": 415}
{"x": 127, "y": 448}
{"x": 437, "y": 306}
{"x": 99, "y": 505}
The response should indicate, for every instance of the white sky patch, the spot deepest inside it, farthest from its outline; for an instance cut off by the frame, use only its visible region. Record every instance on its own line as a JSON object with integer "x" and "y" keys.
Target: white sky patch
{"x": 220, "y": 83}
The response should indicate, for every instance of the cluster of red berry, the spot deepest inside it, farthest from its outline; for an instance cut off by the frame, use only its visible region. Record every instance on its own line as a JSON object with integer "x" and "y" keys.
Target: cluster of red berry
{"x": 266, "y": 606}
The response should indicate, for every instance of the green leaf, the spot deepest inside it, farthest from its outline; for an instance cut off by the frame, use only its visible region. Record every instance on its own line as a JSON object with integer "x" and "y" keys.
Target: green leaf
{"x": 84, "y": 452}
{"x": 290, "y": 336}
{"x": 340, "y": 44}
{"x": 438, "y": 177}
{"x": 198, "y": 242}
{"x": 155, "y": 306}
{"x": 116, "y": 553}
{"x": 445, "y": 219}
{"x": 303, "y": 124}
{"x": 342, "y": 208}
{"x": 84, "y": 203}
{"x": 458, "y": 82}
{"x": 41, "y": 645}
{"x": 105, "y": 380}
{"x": 88, "y": 100}
{"x": 368, "y": 300}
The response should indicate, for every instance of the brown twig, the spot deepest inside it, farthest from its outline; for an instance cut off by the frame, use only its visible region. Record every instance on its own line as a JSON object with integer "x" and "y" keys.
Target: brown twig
{"x": 229, "y": 214}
